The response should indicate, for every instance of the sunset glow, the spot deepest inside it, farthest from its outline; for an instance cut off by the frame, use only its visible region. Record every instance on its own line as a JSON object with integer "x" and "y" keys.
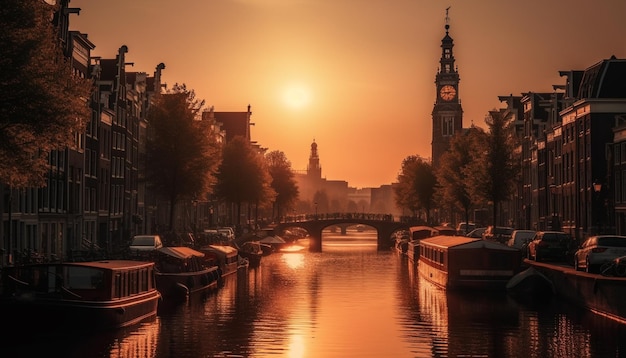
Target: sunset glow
{"x": 296, "y": 96}
{"x": 358, "y": 76}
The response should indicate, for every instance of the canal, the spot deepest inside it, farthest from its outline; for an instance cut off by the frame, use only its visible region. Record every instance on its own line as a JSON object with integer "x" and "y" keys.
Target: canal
{"x": 348, "y": 301}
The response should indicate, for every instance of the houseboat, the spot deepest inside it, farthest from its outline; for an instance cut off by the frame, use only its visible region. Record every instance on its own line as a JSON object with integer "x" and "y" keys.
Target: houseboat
{"x": 416, "y": 234}
{"x": 456, "y": 262}
{"x": 181, "y": 272}
{"x": 224, "y": 256}
{"x": 96, "y": 295}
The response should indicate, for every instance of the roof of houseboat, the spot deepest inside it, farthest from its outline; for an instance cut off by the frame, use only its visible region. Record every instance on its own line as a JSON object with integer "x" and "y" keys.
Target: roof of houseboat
{"x": 180, "y": 252}
{"x": 220, "y": 248}
{"x": 463, "y": 242}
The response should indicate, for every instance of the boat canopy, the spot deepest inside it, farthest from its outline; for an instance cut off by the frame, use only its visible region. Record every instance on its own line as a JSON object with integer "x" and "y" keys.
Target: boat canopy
{"x": 422, "y": 232}
{"x": 180, "y": 252}
{"x": 463, "y": 242}
{"x": 225, "y": 249}
{"x": 272, "y": 239}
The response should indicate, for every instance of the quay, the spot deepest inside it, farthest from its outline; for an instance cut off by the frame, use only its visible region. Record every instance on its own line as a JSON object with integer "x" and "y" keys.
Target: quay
{"x": 602, "y": 295}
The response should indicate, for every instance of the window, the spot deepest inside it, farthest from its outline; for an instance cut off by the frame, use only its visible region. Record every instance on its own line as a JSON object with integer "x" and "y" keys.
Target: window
{"x": 447, "y": 123}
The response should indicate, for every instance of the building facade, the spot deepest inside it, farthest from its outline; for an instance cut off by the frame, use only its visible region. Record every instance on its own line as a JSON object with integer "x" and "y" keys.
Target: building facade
{"x": 571, "y": 151}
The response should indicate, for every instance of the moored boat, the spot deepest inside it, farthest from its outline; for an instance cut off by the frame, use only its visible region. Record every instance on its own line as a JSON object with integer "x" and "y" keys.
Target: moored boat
{"x": 224, "y": 256}
{"x": 416, "y": 234}
{"x": 462, "y": 262}
{"x": 253, "y": 251}
{"x": 97, "y": 295}
{"x": 180, "y": 272}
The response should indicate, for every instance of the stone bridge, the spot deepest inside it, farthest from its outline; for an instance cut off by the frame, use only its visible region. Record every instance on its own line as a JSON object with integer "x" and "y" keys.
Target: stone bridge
{"x": 384, "y": 228}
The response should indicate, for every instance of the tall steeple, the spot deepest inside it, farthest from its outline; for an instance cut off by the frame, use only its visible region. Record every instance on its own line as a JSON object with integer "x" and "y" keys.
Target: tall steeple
{"x": 447, "y": 113}
{"x": 314, "y": 171}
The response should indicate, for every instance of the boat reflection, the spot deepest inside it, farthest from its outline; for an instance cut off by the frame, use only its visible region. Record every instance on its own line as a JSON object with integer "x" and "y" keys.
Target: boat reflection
{"x": 138, "y": 341}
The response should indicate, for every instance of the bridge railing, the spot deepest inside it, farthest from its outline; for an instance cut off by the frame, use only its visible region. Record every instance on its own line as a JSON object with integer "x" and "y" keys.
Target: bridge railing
{"x": 337, "y": 216}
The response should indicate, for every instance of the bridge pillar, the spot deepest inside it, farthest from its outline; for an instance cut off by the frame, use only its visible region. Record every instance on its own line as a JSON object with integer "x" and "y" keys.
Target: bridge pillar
{"x": 384, "y": 238}
{"x": 315, "y": 241}
{"x": 344, "y": 230}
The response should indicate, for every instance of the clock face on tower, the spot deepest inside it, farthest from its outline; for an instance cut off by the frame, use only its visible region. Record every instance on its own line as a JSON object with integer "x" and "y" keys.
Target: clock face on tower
{"x": 447, "y": 93}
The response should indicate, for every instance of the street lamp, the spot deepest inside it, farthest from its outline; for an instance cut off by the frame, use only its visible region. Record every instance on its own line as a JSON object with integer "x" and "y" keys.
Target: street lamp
{"x": 316, "y": 210}
{"x": 597, "y": 187}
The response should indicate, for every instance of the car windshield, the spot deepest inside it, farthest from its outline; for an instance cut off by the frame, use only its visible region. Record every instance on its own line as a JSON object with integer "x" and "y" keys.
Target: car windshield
{"x": 524, "y": 235}
{"x": 552, "y": 237}
{"x": 614, "y": 241}
{"x": 143, "y": 241}
{"x": 502, "y": 230}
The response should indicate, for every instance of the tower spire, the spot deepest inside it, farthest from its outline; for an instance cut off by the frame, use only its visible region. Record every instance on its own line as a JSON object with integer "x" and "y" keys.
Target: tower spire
{"x": 447, "y": 19}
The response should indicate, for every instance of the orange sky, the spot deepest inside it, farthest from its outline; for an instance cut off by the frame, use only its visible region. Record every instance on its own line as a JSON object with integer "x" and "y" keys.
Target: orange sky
{"x": 356, "y": 76}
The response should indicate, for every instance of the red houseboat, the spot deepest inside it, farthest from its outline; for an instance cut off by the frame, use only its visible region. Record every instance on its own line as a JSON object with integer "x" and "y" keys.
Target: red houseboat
{"x": 462, "y": 262}
{"x": 79, "y": 295}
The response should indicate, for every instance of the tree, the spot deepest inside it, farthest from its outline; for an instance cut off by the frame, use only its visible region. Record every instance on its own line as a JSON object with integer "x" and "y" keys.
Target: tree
{"x": 283, "y": 181}
{"x": 416, "y": 186}
{"x": 321, "y": 202}
{"x": 243, "y": 176}
{"x": 453, "y": 174}
{"x": 42, "y": 104}
{"x": 492, "y": 176}
{"x": 182, "y": 153}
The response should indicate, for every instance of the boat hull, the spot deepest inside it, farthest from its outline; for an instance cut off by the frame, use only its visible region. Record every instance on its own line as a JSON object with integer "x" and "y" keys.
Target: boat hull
{"x": 602, "y": 295}
{"x": 184, "y": 284}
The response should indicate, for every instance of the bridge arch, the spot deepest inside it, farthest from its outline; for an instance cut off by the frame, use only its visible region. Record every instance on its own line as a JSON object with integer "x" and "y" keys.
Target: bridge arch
{"x": 384, "y": 229}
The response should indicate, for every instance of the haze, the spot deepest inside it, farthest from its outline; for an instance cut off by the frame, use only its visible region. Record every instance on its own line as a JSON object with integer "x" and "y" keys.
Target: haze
{"x": 356, "y": 76}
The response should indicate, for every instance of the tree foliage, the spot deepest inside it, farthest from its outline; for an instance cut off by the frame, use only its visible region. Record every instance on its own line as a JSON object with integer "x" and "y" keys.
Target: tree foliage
{"x": 416, "y": 186}
{"x": 454, "y": 174}
{"x": 182, "y": 153}
{"x": 321, "y": 202}
{"x": 283, "y": 181}
{"x": 243, "y": 176}
{"x": 495, "y": 170}
{"x": 42, "y": 104}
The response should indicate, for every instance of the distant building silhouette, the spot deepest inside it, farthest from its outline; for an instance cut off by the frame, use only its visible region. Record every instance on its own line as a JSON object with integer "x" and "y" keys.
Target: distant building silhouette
{"x": 328, "y": 196}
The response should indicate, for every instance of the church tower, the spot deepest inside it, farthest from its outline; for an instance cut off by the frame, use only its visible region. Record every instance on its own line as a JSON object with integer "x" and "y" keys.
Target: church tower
{"x": 314, "y": 171}
{"x": 447, "y": 113}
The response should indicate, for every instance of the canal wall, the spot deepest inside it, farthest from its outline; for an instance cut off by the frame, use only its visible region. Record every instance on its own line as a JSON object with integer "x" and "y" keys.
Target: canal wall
{"x": 601, "y": 294}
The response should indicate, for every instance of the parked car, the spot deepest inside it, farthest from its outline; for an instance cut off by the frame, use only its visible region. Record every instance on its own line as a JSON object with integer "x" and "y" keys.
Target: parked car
{"x": 476, "y": 233}
{"x": 520, "y": 238}
{"x": 553, "y": 245}
{"x": 227, "y": 232}
{"x": 598, "y": 250}
{"x": 500, "y": 234}
{"x": 464, "y": 228}
{"x": 144, "y": 245}
{"x": 445, "y": 230}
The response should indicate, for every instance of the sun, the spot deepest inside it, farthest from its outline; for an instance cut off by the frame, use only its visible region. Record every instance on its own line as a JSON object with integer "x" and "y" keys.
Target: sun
{"x": 296, "y": 96}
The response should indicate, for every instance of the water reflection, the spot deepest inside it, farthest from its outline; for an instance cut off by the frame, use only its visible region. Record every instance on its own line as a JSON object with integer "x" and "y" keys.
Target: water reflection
{"x": 139, "y": 341}
{"x": 487, "y": 324}
{"x": 348, "y": 301}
